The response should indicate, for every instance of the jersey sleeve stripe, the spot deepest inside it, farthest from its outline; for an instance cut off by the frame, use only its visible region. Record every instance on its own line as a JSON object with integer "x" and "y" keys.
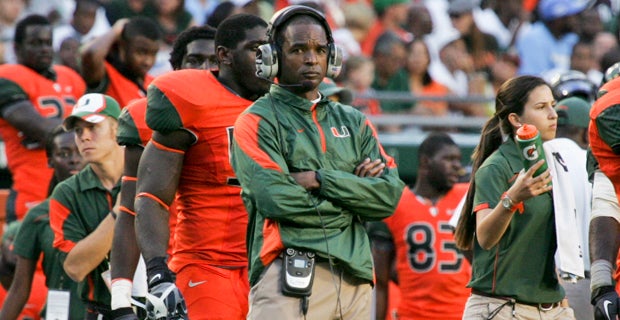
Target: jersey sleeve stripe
{"x": 389, "y": 161}
{"x": 481, "y": 206}
{"x": 246, "y": 137}
{"x": 58, "y": 216}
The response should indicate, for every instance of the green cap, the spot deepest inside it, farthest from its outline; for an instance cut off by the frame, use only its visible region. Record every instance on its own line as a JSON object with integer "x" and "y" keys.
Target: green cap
{"x": 93, "y": 108}
{"x": 573, "y": 111}
{"x": 329, "y": 88}
{"x": 381, "y": 5}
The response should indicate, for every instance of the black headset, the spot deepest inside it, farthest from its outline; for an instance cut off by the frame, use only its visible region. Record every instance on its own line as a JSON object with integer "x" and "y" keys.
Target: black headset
{"x": 268, "y": 55}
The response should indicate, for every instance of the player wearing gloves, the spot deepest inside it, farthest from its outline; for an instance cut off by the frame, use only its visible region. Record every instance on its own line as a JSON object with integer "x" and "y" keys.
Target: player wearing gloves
{"x": 192, "y": 113}
{"x": 193, "y": 49}
{"x": 605, "y": 220}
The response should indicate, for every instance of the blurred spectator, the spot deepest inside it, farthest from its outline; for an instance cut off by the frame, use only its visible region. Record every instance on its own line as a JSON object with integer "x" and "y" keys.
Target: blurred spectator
{"x": 359, "y": 17}
{"x": 172, "y": 19}
{"x": 358, "y": 76}
{"x": 392, "y": 14}
{"x": 119, "y": 9}
{"x": 504, "y": 68}
{"x": 603, "y": 42}
{"x": 117, "y": 63}
{"x": 582, "y": 59}
{"x": 419, "y": 21}
{"x": 421, "y": 83}
{"x": 548, "y": 43}
{"x": 610, "y": 58}
{"x": 10, "y": 12}
{"x": 57, "y": 11}
{"x": 68, "y": 55}
{"x": 389, "y": 56}
{"x": 503, "y": 19}
{"x": 335, "y": 92}
{"x": 481, "y": 46}
{"x": 84, "y": 25}
{"x": 453, "y": 63}
{"x": 592, "y": 25}
{"x": 200, "y": 9}
{"x": 221, "y": 12}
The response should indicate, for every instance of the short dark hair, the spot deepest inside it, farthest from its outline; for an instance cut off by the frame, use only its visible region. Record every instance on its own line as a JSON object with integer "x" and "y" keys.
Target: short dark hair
{"x": 434, "y": 142}
{"x": 386, "y": 42}
{"x": 296, "y": 19}
{"x": 141, "y": 26}
{"x": 233, "y": 29}
{"x": 49, "y": 141}
{"x": 31, "y": 20}
{"x": 179, "y": 48}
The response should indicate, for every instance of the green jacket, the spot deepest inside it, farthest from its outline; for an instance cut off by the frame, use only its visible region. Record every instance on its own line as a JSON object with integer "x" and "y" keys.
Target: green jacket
{"x": 282, "y": 133}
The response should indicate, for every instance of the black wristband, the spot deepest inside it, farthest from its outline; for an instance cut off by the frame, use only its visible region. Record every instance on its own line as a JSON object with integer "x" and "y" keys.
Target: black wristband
{"x": 113, "y": 214}
{"x": 599, "y": 292}
{"x": 317, "y": 176}
{"x": 119, "y": 313}
{"x": 157, "y": 271}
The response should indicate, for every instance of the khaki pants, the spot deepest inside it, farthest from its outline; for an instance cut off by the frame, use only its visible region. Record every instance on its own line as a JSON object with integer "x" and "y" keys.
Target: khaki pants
{"x": 267, "y": 301}
{"x": 479, "y": 307}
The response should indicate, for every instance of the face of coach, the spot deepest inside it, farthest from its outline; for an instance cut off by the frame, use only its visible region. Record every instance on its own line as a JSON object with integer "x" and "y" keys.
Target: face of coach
{"x": 304, "y": 51}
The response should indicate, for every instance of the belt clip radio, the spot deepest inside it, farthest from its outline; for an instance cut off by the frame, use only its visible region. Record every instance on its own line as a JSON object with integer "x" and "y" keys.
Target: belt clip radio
{"x": 297, "y": 273}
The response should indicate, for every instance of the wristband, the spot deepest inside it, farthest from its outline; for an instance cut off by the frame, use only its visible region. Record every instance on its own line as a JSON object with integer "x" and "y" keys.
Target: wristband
{"x": 157, "y": 271}
{"x": 601, "y": 274}
{"x": 121, "y": 293}
{"x": 113, "y": 214}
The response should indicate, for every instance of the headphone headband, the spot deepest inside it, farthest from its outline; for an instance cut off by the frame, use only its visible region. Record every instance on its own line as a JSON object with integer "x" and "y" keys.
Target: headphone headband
{"x": 287, "y": 13}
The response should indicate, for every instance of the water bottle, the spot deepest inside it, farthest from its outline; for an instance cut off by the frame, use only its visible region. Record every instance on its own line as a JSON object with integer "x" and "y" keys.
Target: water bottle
{"x": 530, "y": 147}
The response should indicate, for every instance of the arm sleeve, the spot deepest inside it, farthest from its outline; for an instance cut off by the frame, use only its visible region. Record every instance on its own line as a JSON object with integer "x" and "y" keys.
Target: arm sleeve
{"x": 10, "y": 92}
{"x": 67, "y": 227}
{"x": 127, "y": 133}
{"x": 263, "y": 173}
{"x": 161, "y": 115}
{"x": 368, "y": 197}
{"x": 27, "y": 244}
{"x": 491, "y": 183}
{"x": 608, "y": 127}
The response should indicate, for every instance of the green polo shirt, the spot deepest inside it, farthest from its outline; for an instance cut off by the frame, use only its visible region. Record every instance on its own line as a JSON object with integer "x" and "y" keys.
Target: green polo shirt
{"x": 522, "y": 264}
{"x": 36, "y": 237}
{"x": 77, "y": 206}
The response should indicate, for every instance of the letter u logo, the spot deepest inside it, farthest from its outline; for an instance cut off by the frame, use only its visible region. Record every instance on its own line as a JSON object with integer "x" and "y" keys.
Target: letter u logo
{"x": 345, "y": 132}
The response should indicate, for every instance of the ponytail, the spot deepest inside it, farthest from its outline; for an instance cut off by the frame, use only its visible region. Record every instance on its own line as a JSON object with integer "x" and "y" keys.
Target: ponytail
{"x": 490, "y": 140}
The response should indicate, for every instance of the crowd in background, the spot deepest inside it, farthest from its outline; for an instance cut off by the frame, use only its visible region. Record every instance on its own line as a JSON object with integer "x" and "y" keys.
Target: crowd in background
{"x": 433, "y": 58}
{"x": 426, "y": 50}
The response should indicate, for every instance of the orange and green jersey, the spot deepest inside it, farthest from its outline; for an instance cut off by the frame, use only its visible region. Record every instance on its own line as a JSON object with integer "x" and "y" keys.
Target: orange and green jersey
{"x": 52, "y": 97}
{"x": 211, "y": 218}
{"x": 432, "y": 273}
{"x": 132, "y": 130}
{"x": 119, "y": 87}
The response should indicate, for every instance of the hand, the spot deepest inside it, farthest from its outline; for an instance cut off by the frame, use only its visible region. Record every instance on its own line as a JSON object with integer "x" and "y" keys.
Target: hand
{"x": 370, "y": 168}
{"x": 527, "y": 186}
{"x": 606, "y": 303}
{"x": 165, "y": 301}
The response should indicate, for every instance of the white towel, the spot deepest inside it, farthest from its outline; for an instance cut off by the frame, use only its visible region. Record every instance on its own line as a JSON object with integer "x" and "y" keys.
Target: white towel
{"x": 570, "y": 245}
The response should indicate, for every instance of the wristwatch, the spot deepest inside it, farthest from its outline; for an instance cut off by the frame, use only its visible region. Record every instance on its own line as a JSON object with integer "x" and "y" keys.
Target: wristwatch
{"x": 507, "y": 203}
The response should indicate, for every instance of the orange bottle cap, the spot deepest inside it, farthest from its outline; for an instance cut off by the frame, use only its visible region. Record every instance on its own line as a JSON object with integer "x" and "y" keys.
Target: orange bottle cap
{"x": 527, "y": 131}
